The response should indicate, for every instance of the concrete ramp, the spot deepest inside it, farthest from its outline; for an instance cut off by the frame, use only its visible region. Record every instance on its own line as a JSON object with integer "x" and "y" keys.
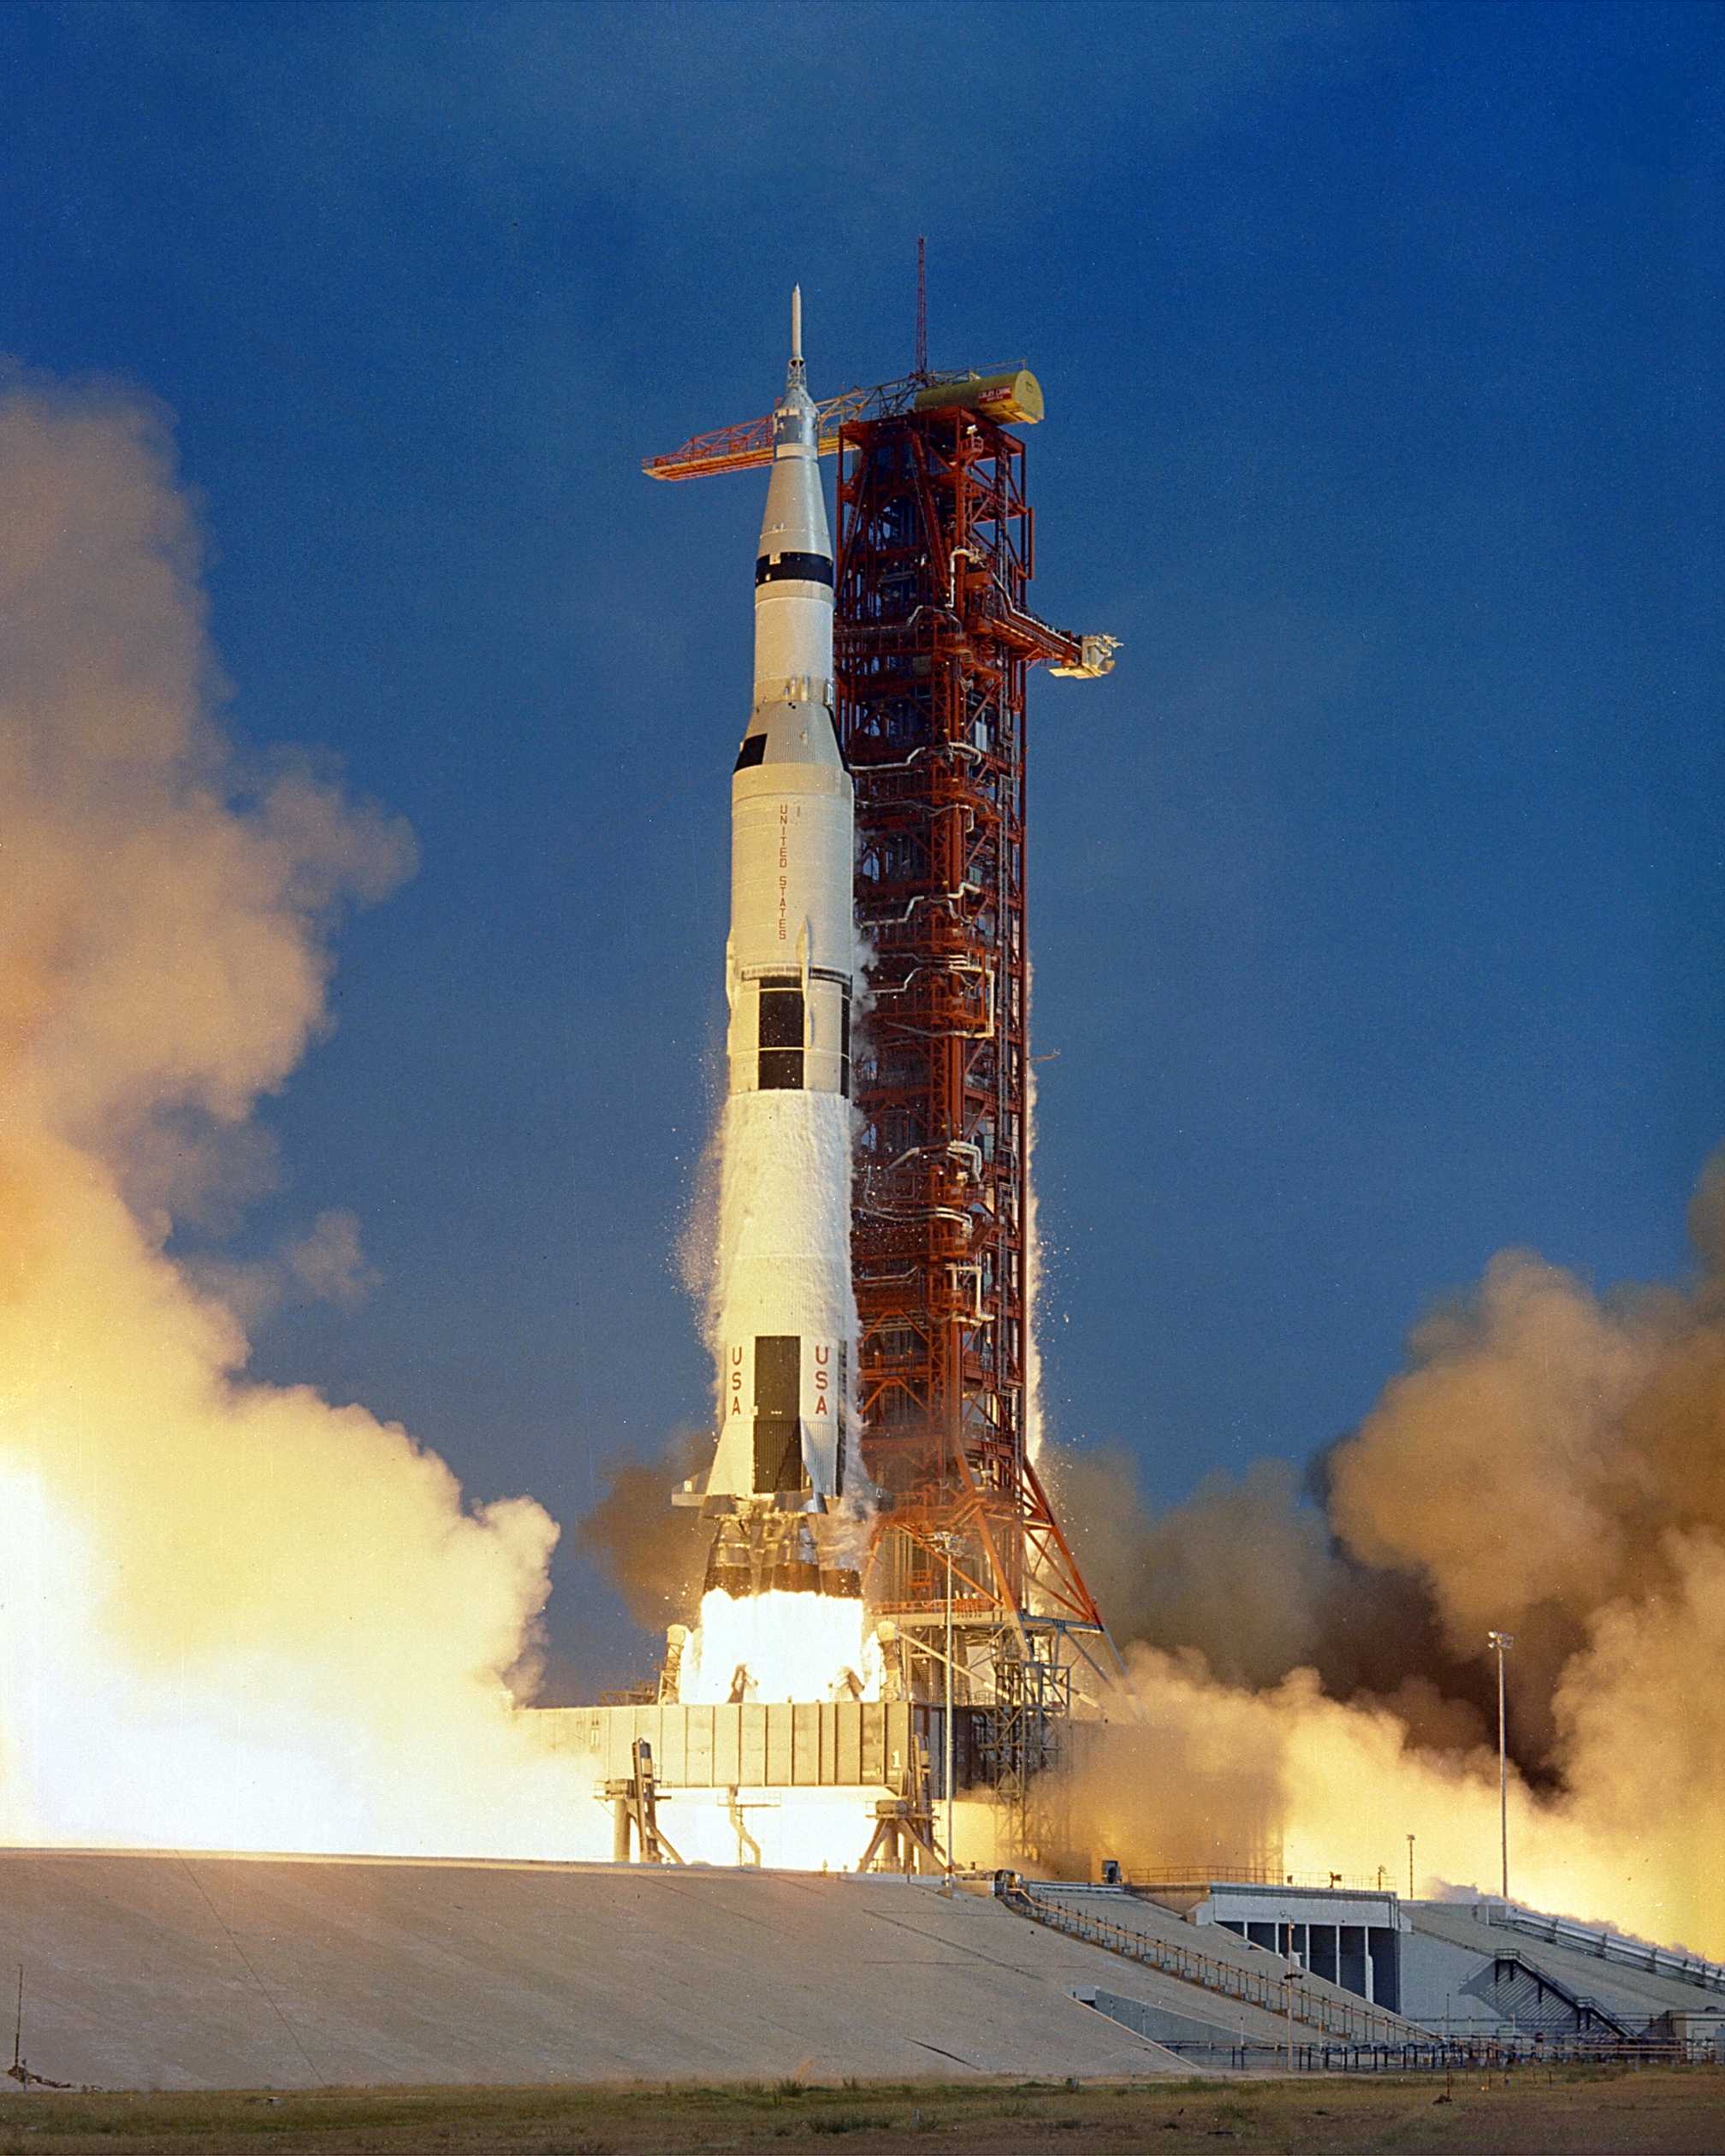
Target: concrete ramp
{"x": 1321, "y": 2007}
{"x": 165, "y": 1971}
{"x": 1470, "y": 1972}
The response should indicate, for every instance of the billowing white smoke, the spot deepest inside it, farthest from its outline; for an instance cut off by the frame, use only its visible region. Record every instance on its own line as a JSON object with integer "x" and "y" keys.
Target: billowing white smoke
{"x": 1549, "y": 1465}
{"x": 230, "y": 1614}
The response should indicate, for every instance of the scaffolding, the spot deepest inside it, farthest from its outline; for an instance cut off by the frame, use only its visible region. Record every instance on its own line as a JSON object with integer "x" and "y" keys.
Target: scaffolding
{"x": 934, "y": 645}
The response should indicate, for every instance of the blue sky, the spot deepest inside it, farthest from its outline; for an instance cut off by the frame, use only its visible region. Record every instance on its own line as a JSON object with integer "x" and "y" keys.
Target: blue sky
{"x": 1378, "y": 908}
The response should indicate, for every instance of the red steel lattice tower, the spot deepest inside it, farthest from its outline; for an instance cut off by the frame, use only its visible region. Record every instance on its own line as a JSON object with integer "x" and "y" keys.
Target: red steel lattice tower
{"x": 934, "y": 643}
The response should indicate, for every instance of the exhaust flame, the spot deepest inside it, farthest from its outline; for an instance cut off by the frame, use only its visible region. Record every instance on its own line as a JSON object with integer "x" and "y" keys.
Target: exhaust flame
{"x": 236, "y": 1616}
{"x": 775, "y": 1647}
{"x": 784, "y": 1829}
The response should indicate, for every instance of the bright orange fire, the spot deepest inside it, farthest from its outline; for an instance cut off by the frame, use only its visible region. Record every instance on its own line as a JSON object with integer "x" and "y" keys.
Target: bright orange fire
{"x": 779, "y": 1646}
{"x": 235, "y": 1615}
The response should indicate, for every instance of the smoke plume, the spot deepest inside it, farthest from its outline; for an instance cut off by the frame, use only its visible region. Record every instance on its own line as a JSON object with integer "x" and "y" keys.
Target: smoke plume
{"x": 653, "y": 1552}
{"x": 237, "y": 1615}
{"x": 1547, "y": 1464}
{"x": 233, "y": 1615}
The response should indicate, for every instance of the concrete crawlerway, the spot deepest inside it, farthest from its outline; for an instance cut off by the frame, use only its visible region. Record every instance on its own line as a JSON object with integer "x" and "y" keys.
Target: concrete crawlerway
{"x": 181, "y": 1972}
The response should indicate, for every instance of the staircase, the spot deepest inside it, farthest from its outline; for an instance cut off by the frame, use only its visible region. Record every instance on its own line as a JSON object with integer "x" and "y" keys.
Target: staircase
{"x": 1527, "y": 1977}
{"x": 1349, "y": 2020}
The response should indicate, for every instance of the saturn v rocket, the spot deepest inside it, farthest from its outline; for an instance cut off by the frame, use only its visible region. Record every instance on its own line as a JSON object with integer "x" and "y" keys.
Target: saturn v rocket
{"x": 784, "y": 1313}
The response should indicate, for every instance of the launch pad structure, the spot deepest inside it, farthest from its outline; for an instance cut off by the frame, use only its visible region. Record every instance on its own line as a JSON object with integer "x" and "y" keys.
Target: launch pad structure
{"x": 934, "y": 649}
{"x": 981, "y": 1602}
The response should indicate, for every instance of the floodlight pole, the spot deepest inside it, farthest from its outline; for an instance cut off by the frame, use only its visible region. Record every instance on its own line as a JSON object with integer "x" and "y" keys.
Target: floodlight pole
{"x": 944, "y": 1542}
{"x": 1502, "y": 1642}
{"x": 1289, "y": 1981}
{"x": 948, "y": 1730}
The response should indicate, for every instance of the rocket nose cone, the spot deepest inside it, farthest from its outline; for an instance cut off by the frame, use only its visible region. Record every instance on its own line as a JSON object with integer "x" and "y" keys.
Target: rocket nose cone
{"x": 795, "y": 406}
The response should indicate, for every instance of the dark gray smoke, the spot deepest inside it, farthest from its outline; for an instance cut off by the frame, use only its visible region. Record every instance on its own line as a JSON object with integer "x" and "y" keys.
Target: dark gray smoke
{"x": 1248, "y": 1574}
{"x": 655, "y": 1553}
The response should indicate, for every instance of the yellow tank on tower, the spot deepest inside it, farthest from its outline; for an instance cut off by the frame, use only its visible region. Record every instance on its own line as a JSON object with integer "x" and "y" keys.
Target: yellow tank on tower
{"x": 1014, "y": 398}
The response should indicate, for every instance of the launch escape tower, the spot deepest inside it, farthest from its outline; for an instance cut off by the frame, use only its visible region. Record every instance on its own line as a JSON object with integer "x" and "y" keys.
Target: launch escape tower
{"x": 934, "y": 646}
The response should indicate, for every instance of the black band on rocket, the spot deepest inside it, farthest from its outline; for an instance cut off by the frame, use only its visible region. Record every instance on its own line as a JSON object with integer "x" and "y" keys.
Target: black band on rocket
{"x": 807, "y": 568}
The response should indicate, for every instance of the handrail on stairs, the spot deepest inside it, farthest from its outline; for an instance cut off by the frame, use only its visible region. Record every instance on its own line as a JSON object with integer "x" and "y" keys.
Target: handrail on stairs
{"x": 1360, "y": 2022}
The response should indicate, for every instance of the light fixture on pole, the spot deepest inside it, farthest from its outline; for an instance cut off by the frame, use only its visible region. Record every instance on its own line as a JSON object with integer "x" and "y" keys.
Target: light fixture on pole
{"x": 1291, "y": 1977}
{"x": 946, "y": 1542}
{"x": 1500, "y": 1643}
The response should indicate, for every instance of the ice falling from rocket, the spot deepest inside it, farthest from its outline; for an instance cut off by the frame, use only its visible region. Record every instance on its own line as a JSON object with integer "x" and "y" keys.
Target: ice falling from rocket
{"x": 785, "y": 1315}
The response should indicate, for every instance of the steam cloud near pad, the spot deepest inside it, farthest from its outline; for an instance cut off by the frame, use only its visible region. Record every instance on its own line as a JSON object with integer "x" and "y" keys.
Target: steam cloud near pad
{"x": 233, "y": 1616}
{"x": 1548, "y": 1464}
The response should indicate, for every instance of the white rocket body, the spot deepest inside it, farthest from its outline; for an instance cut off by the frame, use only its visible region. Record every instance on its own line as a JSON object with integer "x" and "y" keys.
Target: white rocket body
{"x": 785, "y": 1311}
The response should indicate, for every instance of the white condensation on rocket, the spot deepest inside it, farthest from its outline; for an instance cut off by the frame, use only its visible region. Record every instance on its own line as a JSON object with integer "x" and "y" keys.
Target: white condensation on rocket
{"x": 786, "y": 1459}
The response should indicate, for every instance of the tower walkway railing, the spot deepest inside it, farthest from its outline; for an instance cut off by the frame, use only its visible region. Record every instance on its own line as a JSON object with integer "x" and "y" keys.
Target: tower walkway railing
{"x": 1354, "y": 2022}
{"x": 1608, "y": 1946}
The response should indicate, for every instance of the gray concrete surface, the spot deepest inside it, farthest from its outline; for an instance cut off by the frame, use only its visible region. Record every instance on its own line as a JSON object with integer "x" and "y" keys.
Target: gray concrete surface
{"x": 147, "y": 1971}
{"x": 1448, "y": 1959}
{"x": 1150, "y": 1920}
{"x": 1183, "y": 2033}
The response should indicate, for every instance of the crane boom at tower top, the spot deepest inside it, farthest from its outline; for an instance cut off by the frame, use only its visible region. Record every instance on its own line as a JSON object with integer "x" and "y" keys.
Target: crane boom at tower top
{"x": 1011, "y": 395}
